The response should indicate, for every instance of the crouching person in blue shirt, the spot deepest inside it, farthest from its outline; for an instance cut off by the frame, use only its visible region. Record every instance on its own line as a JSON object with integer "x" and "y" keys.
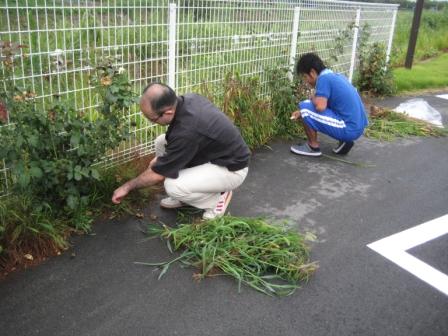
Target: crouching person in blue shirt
{"x": 335, "y": 108}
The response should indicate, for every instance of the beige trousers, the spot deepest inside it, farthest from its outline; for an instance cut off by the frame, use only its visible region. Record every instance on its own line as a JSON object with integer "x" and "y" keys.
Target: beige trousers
{"x": 202, "y": 185}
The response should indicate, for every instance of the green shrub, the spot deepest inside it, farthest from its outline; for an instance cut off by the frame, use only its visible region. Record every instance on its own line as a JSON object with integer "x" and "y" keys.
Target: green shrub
{"x": 52, "y": 156}
{"x": 374, "y": 75}
{"x": 284, "y": 96}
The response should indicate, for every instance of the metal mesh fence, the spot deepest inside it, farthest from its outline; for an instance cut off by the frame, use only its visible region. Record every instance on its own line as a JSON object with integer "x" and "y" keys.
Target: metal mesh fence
{"x": 181, "y": 42}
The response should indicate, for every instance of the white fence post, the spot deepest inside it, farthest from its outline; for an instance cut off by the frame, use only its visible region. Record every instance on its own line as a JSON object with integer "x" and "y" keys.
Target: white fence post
{"x": 172, "y": 46}
{"x": 355, "y": 44}
{"x": 295, "y": 32}
{"x": 391, "y": 37}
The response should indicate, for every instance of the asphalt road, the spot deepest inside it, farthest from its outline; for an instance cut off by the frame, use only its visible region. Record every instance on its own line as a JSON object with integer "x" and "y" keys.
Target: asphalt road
{"x": 356, "y": 291}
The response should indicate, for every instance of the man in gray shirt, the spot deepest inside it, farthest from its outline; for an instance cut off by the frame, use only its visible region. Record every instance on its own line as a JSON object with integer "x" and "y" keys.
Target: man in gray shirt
{"x": 201, "y": 158}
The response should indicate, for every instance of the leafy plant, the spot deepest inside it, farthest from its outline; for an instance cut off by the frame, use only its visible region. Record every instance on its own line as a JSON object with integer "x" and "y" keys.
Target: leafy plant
{"x": 374, "y": 75}
{"x": 53, "y": 158}
{"x": 268, "y": 258}
{"x": 284, "y": 96}
{"x": 51, "y": 154}
{"x": 246, "y": 107}
{"x": 340, "y": 42}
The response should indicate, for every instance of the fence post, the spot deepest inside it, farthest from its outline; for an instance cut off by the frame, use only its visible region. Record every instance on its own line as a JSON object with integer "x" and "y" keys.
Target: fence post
{"x": 295, "y": 32}
{"x": 391, "y": 37}
{"x": 355, "y": 44}
{"x": 172, "y": 46}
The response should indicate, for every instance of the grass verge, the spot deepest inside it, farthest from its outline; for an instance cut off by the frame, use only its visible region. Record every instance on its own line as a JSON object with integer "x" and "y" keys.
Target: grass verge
{"x": 432, "y": 74}
{"x": 268, "y": 258}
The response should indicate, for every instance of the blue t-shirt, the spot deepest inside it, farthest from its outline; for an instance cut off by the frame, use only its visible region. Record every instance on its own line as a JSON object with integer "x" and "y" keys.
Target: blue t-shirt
{"x": 342, "y": 98}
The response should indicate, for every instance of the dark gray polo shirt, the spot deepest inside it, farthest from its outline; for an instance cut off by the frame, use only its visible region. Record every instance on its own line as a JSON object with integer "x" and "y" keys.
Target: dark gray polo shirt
{"x": 201, "y": 133}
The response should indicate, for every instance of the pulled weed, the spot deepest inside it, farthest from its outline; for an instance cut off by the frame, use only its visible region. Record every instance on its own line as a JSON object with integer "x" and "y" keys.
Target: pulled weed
{"x": 268, "y": 258}
{"x": 388, "y": 125}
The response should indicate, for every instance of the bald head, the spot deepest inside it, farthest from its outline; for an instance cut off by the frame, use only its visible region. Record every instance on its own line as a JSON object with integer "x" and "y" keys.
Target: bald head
{"x": 158, "y": 97}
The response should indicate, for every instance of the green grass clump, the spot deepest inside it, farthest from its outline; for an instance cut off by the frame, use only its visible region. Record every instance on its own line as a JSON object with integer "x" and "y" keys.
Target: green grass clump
{"x": 268, "y": 258}
{"x": 424, "y": 75}
{"x": 29, "y": 226}
{"x": 388, "y": 125}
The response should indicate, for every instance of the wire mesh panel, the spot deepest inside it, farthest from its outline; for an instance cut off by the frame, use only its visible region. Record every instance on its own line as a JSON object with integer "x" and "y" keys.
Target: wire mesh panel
{"x": 181, "y": 42}
{"x": 218, "y": 37}
{"x": 64, "y": 40}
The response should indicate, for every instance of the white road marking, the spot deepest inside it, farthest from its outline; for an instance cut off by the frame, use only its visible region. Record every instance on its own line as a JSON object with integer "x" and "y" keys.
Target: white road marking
{"x": 443, "y": 96}
{"x": 394, "y": 248}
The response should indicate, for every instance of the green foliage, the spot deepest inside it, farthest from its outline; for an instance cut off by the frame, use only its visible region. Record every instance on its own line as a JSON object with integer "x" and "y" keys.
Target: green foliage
{"x": 432, "y": 35}
{"x": 245, "y": 106}
{"x": 284, "y": 96}
{"x": 374, "y": 75}
{"x": 268, "y": 258}
{"x": 52, "y": 155}
{"x": 340, "y": 42}
{"x": 25, "y": 226}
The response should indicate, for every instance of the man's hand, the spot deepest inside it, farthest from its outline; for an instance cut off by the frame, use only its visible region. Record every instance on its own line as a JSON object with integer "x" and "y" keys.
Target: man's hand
{"x": 145, "y": 179}
{"x": 295, "y": 115}
{"x": 120, "y": 193}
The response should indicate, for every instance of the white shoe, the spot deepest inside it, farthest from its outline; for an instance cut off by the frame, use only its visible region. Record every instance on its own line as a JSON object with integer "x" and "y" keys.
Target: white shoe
{"x": 220, "y": 208}
{"x": 171, "y": 203}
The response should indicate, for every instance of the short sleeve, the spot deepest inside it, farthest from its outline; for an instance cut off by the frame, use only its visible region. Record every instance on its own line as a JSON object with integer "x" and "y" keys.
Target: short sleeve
{"x": 323, "y": 88}
{"x": 179, "y": 153}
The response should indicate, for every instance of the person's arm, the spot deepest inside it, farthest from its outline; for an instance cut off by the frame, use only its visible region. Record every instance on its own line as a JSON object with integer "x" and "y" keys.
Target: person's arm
{"x": 320, "y": 103}
{"x": 153, "y": 162}
{"x": 296, "y": 115}
{"x": 145, "y": 179}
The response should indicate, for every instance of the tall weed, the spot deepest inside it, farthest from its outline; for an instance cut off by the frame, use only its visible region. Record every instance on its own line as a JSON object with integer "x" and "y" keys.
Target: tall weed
{"x": 284, "y": 96}
{"x": 246, "y": 107}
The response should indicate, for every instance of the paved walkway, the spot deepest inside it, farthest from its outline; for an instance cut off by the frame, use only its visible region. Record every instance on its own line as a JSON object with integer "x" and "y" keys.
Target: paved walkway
{"x": 356, "y": 291}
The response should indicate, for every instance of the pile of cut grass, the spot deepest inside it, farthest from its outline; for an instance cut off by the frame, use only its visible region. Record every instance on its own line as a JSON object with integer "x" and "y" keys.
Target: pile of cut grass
{"x": 388, "y": 125}
{"x": 268, "y": 258}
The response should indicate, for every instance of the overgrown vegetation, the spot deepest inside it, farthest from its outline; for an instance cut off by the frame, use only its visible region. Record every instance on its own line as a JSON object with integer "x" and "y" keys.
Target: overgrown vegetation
{"x": 52, "y": 158}
{"x": 245, "y": 106}
{"x": 374, "y": 75}
{"x": 388, "y": 125}
{"x": 260, "y": 116}
{"x": 432, "y": 36}
{"x": 268, "y": 258}
{"x": 284, "y": 96}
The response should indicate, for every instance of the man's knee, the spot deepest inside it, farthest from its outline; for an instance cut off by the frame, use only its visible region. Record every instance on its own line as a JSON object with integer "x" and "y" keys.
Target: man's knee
{"x": 174, "y": 188}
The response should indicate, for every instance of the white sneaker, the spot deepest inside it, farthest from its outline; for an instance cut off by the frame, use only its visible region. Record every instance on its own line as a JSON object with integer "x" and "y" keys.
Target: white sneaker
{"x": 171, "y": 203}
{"x": 220, "y": 208}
